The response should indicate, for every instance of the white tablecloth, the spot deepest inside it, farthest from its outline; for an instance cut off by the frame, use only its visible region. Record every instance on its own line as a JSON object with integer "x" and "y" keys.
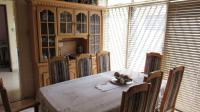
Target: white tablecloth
{"x": 81, "y": 95}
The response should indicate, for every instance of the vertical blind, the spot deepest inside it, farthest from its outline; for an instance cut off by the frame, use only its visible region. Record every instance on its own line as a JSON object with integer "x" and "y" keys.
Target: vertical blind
{"x": 146, "y": 33}
{"x": 115, "y": 33}
{"x": 182, "y": 47}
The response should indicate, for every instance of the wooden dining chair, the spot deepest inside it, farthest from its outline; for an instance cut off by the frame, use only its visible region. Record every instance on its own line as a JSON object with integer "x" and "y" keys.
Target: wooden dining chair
{"x": 103, "y": 61}
{"x": 84, "y": 65}
{"x": 155, "y": 79}
{"x": 135, "y": 98}
{"x": 59, "y": 69}
{"x": 153, "y": 62}
{"x": 172, "y": 88}
{"x": 16, "y": 106}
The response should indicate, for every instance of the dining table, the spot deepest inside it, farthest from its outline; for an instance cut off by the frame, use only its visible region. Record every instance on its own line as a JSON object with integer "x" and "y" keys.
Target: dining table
{"x": 94, "y": 93}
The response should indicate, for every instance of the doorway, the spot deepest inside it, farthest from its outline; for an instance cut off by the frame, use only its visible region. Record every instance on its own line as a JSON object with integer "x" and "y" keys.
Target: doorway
{"x": 5, "y": 61}
{"x": 9, "y": 66}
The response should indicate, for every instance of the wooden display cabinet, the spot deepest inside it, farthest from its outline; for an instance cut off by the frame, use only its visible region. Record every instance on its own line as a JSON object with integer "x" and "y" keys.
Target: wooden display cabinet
{"x": 94, "y": 65}
{"x": 47, "y": 32}
{"x": 72, "y": 69}
{"x": 52, "y": 21}
{"x": 94, "y": 32}
{"x": 65, "y": 22}
{"x": 81, "y": 23}
{"x": 43, "y": 70}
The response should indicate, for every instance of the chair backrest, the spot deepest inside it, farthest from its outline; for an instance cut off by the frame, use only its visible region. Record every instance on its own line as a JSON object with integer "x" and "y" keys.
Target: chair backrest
{"x": 172, "y": 89}
{"x": 4, "y": 97}
{"x": 155, "y": 79}
{"x": 153, "y": 62}
{"x": 135, "y": 99}
{"x": 103, "y": 61}
{"x": 84, "y": 65}
{"x": 59, "y": 69}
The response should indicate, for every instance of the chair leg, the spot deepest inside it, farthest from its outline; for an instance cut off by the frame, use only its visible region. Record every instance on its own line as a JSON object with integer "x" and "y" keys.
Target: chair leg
{"x": 36, "y": 108}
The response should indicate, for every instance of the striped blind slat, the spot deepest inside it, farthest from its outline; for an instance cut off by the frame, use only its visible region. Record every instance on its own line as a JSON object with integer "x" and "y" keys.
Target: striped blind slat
{"x": 146, "y": 33}
{"x": 182, "y": 47}
{"x": 115, "y": 31}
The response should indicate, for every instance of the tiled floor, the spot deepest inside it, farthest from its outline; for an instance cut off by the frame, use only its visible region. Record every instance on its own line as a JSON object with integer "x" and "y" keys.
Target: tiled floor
{"x": 27, "y": 110}
{"x": 11, "y": 83}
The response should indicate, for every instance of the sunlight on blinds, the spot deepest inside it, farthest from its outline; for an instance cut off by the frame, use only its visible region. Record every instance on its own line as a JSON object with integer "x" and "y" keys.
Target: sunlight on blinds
{"x": 182, "y": 47}
{"x": 146, "y": 33}
{"x": 117, "y": 2}
{"x": 115, "y": 34}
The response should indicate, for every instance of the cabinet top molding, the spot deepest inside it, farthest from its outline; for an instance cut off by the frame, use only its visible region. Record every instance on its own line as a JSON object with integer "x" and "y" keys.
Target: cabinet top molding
{"x": 63, "y": 4}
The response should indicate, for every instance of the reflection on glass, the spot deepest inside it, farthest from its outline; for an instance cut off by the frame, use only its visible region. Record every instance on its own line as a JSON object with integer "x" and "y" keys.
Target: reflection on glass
{"x": 97, "y": 29}
{"x": 91, "y": 48}
{"x": 52, "y": 52}
{"x": 44, "y": 41}
{"x": 97, "y": 40}
{"x": 63, "y": 27}
{"x": 84, "y": 18}
{"x": 69, "y": 17}
{"x": 81, "y": 26}
{"x": 78, "y": 18}
{"x": 51, "y": 41}
{"x": 47, "y": 30}
{"x": 43, "y": 16}
{"x": 92, "y": 30}
{"x": 84, "y": 28}
{"x": 45, "y": 53}
{"x": 62, "y": 17}
{"x": 69, "y": 27}
{"x": 51, "y": 28}
{"x": 66, "y": 22}
{"x": 94, "y": 39}
{"x": 50, "y": 16}
{"x": 92, "y": 19}
{"x": 97, "y": 20}
{"x": 78, "y": 28}
{"x": 96, "y": 48}
{"x": 91, "y": 40}
{"x": 44, "y": 28}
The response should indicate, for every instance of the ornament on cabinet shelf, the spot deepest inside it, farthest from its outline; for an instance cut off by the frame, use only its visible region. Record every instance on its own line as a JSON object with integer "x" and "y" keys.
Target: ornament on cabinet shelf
{"x": 93, "y": 2}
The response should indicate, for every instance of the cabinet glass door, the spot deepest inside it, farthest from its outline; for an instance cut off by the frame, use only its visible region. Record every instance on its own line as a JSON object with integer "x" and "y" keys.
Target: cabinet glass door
{"x": 47, "y": 34}
{"x": 81, "y": 23}
{"x": 95, "y": 33}
{"x": 65, "y": 22}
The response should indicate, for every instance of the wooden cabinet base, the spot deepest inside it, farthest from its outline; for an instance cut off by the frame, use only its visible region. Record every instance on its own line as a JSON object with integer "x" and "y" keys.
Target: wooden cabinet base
{"x": 72, "y": 69}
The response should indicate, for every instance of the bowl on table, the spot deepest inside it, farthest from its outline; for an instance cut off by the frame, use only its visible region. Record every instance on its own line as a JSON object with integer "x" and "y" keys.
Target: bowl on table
{"x": 121, "y": 79}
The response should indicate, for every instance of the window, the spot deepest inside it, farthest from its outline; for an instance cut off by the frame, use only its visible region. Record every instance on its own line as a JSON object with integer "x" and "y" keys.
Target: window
{"x": 117, "y": 2}
{"x": 182, "y": 47}
{"x": 115, "y": 33}
{"x": 132, "y": 31}
{"x": 146, "y": 33}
